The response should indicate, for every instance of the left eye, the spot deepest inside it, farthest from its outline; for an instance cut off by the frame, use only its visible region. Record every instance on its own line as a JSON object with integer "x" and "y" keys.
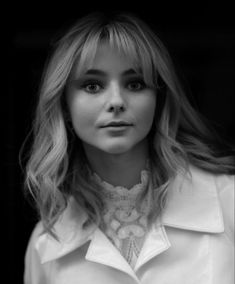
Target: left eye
{"x": 93, "y": 88}
{"x": 136, "y": 85}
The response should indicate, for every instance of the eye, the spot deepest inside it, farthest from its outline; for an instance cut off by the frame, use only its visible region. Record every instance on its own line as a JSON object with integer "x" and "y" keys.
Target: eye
{"x": 136, "y": 85}
{"x": 92, "y": 87}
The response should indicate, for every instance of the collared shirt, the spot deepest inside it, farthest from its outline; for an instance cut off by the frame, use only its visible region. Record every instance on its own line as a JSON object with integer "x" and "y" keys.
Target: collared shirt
{"x": 193, "y": 242}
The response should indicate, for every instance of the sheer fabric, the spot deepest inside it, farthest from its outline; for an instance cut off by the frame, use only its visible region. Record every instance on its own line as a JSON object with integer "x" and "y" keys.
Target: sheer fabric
{"x": 125, "y": 223}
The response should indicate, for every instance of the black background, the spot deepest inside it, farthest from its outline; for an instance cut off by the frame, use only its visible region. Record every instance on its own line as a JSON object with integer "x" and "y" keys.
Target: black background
{"x": 199, "y": 36}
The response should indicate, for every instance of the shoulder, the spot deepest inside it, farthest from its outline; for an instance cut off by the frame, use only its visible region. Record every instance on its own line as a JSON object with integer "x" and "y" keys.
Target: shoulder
{"x": 33, "y": 271}
{"x": 223, "y": 183}
{"x": 37, "y": 231}
{"x": 224, "y": 187}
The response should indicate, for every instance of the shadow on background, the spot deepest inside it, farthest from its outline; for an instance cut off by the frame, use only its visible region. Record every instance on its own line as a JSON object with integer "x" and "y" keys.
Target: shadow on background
{"x": 201, "y": 41}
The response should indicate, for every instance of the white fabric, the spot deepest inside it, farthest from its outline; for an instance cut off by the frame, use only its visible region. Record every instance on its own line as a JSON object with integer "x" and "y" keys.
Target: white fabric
{"x": 193, "y": 243}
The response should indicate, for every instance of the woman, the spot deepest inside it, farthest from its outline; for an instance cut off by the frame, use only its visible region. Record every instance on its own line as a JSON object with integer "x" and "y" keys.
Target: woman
{"x": 127, "y": 183}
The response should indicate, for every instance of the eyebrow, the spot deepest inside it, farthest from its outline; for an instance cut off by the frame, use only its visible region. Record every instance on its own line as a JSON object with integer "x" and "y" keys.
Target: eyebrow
{"x": 103, "y": 74}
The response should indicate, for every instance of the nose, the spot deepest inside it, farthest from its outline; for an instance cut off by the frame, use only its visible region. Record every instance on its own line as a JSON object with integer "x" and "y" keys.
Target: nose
{"x": 115, "y": 100}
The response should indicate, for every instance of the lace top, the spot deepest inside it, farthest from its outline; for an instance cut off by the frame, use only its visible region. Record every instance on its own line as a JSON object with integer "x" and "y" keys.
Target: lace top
{"x": 123, "y": 222}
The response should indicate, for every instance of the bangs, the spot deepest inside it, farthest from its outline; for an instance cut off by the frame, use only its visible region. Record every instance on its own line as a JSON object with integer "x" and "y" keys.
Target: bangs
{"x": 128, "y": 42}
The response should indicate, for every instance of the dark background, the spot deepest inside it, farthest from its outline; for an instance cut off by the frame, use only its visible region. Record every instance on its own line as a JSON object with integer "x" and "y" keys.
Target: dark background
{"x": 200, "y": 38}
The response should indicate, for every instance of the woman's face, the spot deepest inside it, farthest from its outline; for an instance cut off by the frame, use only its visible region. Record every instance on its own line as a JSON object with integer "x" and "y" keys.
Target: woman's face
{"x": 111, "y": 107}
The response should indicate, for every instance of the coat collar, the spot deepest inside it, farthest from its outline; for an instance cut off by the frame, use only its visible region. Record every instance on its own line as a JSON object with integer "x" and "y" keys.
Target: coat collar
{"x": 192, "y": 204}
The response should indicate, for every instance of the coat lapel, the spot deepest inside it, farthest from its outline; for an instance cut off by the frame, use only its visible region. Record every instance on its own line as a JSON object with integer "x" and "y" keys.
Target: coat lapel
{"x": 101, "y": 250}
{"x": 70, "y": 232}
{"x": 192, "y": 204}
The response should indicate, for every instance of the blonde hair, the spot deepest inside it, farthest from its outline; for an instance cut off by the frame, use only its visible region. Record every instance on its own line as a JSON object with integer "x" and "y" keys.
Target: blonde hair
{"x": 57, "y": 167}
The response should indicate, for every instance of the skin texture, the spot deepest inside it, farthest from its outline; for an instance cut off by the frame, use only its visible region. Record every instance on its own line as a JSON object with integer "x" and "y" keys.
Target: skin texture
{"x": 110, "y": 90}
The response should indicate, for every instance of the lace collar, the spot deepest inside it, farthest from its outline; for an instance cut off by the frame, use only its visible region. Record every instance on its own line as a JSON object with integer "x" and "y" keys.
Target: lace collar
{"x": 118, "y": 193}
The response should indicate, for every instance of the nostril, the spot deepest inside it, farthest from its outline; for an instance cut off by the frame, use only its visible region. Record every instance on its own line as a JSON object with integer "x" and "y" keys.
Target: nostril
{"x": 117, "y": 108}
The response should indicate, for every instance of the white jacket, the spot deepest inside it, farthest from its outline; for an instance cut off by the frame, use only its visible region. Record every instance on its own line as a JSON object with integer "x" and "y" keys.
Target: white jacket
{"x": 193, "y": 243}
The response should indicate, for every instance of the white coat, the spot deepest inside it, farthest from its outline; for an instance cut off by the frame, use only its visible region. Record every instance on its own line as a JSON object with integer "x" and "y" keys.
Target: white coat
{"x": 193, "y": 243}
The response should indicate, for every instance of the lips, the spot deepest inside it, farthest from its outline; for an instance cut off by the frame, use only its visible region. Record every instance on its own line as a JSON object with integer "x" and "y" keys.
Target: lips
{"x": 117, "y": 124}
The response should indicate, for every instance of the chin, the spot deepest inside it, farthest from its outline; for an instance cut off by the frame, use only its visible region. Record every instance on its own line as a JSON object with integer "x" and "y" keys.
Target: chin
{"x": 116, "y": 149}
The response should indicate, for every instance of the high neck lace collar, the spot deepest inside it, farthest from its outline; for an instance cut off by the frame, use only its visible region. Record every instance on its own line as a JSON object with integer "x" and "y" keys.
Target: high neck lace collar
{"x": 120, "y": 192}
{"x": 125, "y": 223}
{"x": 116, "y": 193}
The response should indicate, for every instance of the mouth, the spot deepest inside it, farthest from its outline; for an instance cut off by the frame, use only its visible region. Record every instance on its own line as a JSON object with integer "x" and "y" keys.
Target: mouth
{"x": 117, "y": 125}
{"x": 117, "y": 129}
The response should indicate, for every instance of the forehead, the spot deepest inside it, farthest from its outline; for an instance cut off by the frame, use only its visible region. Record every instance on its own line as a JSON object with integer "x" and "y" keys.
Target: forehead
{"x": 105, "y": 56}
{"x": 111, "y": 59}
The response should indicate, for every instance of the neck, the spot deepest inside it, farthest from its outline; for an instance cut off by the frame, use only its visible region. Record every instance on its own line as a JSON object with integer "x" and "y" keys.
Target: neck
{"x": 119, "y": 169}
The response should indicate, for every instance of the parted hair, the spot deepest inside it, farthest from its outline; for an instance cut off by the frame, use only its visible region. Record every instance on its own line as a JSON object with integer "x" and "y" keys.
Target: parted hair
{"x": 57, "y": 167}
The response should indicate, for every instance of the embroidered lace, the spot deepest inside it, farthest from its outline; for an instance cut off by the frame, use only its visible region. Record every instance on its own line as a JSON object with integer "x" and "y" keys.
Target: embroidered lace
{"x": 123, "y": 222}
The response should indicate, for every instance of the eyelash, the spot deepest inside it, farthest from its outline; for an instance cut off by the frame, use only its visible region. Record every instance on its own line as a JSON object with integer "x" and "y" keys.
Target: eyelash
{"x": 101, "y": 85}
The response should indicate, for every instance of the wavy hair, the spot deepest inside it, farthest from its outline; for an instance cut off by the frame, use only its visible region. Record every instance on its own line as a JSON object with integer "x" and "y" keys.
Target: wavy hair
{"x": 58, "y": 168}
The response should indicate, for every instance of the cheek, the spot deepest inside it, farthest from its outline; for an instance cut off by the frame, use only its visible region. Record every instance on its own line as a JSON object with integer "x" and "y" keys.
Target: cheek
{"x": 82, "y": 115}
{"x": 146, "y": 112}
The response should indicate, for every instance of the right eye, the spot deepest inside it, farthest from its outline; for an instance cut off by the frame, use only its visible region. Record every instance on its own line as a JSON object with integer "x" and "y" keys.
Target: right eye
{"x": 92, "y": 87}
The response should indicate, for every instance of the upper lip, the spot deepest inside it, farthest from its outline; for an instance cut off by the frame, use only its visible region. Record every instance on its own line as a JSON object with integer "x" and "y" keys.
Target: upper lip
{"x": 117, "y": 123}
